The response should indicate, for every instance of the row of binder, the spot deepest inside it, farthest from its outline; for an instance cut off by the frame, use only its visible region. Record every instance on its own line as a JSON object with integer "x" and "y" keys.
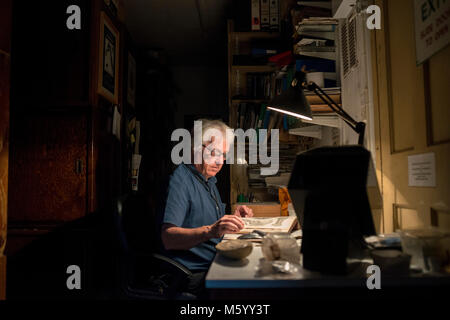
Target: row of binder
{"x": 265, "y": 15}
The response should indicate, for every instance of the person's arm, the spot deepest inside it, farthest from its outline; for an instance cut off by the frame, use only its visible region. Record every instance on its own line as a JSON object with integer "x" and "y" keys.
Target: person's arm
{"x": 177, "y": 238}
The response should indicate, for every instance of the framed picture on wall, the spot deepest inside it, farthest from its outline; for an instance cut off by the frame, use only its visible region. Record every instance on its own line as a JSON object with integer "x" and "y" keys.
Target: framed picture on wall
{"x": 109, "y": 60}
{"x": 112, "y": 5}
{"x": 131, "y": 80}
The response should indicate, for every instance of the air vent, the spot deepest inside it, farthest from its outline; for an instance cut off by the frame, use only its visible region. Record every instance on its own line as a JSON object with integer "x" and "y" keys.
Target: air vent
{"x": 344, "y": 44}
{"x": 352, "y": 43}
{"x": 348, "y": 44}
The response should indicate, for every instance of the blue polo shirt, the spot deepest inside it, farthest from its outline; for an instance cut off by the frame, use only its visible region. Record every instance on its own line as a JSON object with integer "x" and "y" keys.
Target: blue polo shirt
{"x": 192, "y": 202}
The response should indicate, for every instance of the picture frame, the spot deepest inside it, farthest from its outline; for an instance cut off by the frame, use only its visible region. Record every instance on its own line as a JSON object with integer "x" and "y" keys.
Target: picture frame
{"x": 108, "y": 82}
{"x": 131, "y": 80}
{"x": 113, "y": 6}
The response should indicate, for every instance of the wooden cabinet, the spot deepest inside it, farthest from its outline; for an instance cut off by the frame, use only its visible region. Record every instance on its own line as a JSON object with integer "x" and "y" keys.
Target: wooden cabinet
{"x": 48, "y": 169}
{"x": 63, "y": 153}
{"x": 5, "y": 61}
{"x": 52, "y": 61}
{"x": 4, "y": 144}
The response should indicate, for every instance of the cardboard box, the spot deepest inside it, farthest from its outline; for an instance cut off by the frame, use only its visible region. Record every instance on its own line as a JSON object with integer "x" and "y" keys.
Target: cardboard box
{"x": 261, "y": 209}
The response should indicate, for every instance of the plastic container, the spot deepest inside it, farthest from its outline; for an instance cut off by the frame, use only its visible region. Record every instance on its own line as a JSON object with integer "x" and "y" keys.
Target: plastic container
{"x": 391, "y": 262}
{"x": 428, "y": 248}
{"x": 281, "y": 246}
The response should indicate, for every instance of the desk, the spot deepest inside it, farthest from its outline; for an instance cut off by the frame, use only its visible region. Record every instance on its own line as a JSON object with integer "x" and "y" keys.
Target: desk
{"x": 233, "y": 279}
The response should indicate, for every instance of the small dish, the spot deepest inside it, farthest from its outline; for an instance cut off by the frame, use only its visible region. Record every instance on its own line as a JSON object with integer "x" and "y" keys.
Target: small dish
{"x": 235, "y": 249}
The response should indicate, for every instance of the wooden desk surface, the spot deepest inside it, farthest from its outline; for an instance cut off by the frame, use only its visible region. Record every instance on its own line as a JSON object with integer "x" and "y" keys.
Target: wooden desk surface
{"x": 240, "y": 274}
{"x": 226, "y": 273}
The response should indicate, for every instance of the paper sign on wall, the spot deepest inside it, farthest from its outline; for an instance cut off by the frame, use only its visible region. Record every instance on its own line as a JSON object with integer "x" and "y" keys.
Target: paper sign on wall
{"x": 116, "y": 123}
{"x": 432, "y": 25}
{"x": 422, "y": 170}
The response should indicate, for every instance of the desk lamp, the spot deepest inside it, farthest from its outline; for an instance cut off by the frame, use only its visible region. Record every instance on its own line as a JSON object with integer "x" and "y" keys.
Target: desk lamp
{"x": 294, "y": 103}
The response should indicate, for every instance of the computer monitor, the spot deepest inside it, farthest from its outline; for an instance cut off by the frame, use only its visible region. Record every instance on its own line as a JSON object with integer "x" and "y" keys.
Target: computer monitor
{"x": 328, "y": 190}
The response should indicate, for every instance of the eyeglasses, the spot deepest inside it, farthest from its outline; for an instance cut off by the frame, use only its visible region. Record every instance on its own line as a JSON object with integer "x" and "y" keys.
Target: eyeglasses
{"x": 214, "y": 153}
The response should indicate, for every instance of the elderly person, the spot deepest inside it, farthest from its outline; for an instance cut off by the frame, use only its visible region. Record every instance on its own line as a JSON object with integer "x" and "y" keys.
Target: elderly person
{"x": 194, "y": 218}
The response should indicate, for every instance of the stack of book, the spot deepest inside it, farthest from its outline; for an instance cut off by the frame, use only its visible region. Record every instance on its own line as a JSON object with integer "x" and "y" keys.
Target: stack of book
{"x": 315, "y": 51}
{"x": 287, "y": 158}
{"x": 318, "y": 106}
{"x": 278, "y": 181}
{"x": 284, "y": 78}
{"x": 316, "y": 38}
{"x": 258, "y": 52}
{"x": 255, "y": 180}
{"x": 287, "y": 155}
{"x": 315, "y": 48}
{"x": 259, "y": 85}
{"x": 257, "y": 116}
{"x": 248, "y": 115}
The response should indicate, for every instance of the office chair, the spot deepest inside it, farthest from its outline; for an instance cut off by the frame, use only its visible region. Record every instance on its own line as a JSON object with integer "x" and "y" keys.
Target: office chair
{"x": 145, "y": 275}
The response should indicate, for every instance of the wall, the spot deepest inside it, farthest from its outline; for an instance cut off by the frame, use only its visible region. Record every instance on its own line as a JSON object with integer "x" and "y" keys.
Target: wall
{"x": 5, "y": 49}
{"x": 412, "y": 112}
{"x": 203, "y": 90}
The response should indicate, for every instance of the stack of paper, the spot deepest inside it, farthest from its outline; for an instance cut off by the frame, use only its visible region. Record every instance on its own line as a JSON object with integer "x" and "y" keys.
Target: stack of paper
{"x": 317, "y": 38}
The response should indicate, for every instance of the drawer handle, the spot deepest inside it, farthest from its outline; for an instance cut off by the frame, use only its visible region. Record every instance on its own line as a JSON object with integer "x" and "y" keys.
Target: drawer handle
{"x": 79, "y": 166}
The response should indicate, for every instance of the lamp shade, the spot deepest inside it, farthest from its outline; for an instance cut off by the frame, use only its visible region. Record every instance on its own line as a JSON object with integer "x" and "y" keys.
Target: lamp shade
{"x": 292, "y": 102}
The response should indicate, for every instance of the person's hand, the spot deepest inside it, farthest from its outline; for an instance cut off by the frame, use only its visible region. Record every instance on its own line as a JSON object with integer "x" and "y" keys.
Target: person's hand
{"x": 227, "y": 224}
{"x": 243, "y": 211}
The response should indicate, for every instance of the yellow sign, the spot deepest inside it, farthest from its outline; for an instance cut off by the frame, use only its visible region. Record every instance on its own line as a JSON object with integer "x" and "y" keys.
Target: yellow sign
{"x": 432, "y": 26}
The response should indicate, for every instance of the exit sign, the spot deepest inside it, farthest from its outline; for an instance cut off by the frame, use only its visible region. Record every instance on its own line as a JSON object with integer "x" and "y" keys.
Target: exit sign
{"x": 432, "y": 26}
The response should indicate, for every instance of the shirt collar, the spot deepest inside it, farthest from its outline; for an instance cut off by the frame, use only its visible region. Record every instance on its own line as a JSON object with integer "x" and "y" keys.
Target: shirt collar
{"x": 194, "y": 170}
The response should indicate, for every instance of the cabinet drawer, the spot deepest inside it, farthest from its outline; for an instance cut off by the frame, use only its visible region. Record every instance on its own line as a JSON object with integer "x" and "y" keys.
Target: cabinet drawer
{"x": 48, "y": 168}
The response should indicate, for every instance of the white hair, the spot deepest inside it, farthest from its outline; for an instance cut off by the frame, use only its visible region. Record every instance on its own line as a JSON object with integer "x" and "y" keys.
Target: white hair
{"x": 211, "y": 126}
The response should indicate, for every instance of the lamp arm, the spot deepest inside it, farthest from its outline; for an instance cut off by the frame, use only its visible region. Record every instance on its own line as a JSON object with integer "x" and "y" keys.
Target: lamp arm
{"x": 358, "y": 127}
{"x": 312, "y": 86}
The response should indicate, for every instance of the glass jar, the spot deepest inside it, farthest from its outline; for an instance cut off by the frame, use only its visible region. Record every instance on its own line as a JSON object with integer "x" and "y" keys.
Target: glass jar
{"x": 281, "y": 246}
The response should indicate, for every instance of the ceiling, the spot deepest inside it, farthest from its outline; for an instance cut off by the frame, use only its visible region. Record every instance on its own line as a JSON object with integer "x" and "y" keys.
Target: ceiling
{"x": 186, "y": 29}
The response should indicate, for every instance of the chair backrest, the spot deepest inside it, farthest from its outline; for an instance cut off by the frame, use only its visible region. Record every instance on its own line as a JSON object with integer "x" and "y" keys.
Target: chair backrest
{"x": 161, "y": 271}
{"x": 124, "y": 261}
{"x": 135, "y": 223}
{"x": 118, "y": 225}
{"x": 128, "y": 262}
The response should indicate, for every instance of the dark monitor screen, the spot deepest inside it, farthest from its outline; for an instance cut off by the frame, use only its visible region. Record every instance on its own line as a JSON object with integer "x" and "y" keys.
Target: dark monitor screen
{"x": 328, "y": 188}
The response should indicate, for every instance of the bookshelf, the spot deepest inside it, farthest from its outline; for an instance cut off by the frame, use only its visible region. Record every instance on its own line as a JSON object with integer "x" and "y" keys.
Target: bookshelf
{"x": 314, "y": 44}
{"x": 244, "y": 68}
{"x": 317, "y": 49}
{"x": 248, "y": 100}
{"x": 240, "y": 44}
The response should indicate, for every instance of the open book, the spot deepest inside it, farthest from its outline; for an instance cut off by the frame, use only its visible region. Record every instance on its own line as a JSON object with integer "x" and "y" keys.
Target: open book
{"x": 266, "y": 224}
{"x": 269, "y": 224}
